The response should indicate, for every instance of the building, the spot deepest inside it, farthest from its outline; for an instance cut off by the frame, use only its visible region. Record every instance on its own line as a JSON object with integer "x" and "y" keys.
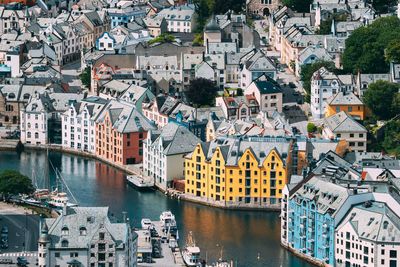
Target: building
{"x": 349, "y": 102}
{"x": 41, "y": 118}
{"x": 105, "y": 42}
{"x": 268, "y": 93}
{"x": 239, "y": 171}
{"x": 120, "y": 132}
{"x": 256, "y": 64}
{"x": 159, "y": 109}
{"x": 164, "y": 153}
{"x": 262, "y": 8}
{"x": 122, "y": 15}
{"x": 238, "y": 107}
{"x": 156, "y": 26}
{"x": 86, "y": 236}
{"x": 79, "y": 124}
{"x": 311, "y": 54}
{"x": 342, "y": 126}
{"x": 179, "y": 19}
{"x": 324, "y": 84}
{"x": 368, "y": 236}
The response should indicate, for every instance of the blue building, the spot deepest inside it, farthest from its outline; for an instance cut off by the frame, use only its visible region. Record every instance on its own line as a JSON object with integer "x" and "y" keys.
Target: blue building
{"x": 312, "y": 211}
{"x": 120, "y": 16}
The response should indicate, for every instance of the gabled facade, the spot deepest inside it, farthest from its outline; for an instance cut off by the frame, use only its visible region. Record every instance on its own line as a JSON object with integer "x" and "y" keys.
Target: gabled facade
{"x": 233, "y": 171}
{"x": 238, "y": 107}
{"x": 105, "y": 42}
{"x": 349, "y": 102}
{"x": 267, "y": 92}
{"x": 164, "y": 153}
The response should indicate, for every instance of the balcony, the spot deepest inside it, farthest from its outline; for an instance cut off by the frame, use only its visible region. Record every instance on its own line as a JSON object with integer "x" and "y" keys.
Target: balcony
{"x": 302, "y": 235}
{"x": 302, "y": 217}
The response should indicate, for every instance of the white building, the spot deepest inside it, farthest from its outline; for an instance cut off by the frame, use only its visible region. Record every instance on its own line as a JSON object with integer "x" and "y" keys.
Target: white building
{"x": 41, "y": 118}
{"x": 368, "y": 236}
{"x": 86, "y": 237}
{"x": 164, "y": 153}
{"x": 267, "y": 92}
{"x": 342, "y": 126}
{"x": 324, "y": 84}
{"x": 105, "y": 42}
{"x": 179, "y": 19}
{"x": 78, "y": 124}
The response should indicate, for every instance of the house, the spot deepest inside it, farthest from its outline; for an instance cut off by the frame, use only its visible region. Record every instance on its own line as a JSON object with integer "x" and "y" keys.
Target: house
{"x": 311, "y": 54}
{"x": 268, "y": 93}
{"x": 137, "y": 95}
{"x": 79, "y": 124}
{"x": 342, "y": 126}
{"x": 86, "y": 236}
{"x": 41, "y": 118}
{"x": 179, "y": 19}
{"x": 105, "y": 42}
{"x": 349, "y": 102}
{"x": 159, "y": 109}
{"x": 364, "y": 80}
{"x": 156, "y": 26}
{"x": 262, "y": 8}
{"x": 14, "y": 19}
{"x": 164, "y": 153}
{"x": 120, "y": 131}
{"x": 239, "y": 171}
{"x": 324, "y": 84}
{"x": 120, "y": 15}
{"x": 238, "y": 107}
{"x": 256, "y": 64}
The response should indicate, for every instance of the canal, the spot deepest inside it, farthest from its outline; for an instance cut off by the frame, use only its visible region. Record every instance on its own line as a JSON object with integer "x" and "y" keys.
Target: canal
{"x": 248, "y": 238}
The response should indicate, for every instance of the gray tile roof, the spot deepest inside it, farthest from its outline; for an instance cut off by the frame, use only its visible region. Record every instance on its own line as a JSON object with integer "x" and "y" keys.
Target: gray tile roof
{"x": 342, "y": 122}
{"x": 91, "y": 218}
{"x": 341, "y": 98}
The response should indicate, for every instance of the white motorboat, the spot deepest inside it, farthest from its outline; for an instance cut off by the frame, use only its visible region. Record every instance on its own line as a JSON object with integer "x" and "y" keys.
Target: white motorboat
{"x": 168, "y": 223}
{"x": 191, "y": 252}
{"x": 146, "y": 223}
{"x": 140, "y": 182}
{"x": 59, "y": 200}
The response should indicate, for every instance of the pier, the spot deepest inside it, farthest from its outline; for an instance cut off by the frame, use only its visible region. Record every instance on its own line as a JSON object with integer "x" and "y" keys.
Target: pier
{"x": 170, "y": 257}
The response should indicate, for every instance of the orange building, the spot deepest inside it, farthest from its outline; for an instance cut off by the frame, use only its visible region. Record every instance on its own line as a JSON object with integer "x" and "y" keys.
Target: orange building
{"x": 120, "y": 131}
{"x": 349, "y": 102}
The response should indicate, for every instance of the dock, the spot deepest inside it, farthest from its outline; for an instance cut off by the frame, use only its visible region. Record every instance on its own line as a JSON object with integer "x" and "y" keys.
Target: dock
{"x": 169, "y": 257}
{"x": 141, "y": 182}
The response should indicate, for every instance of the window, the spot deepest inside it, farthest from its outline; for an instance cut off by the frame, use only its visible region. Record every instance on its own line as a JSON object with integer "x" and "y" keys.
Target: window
{"x": 337, "y": 110}
{"x": 64, "y": 243}
{"x": 57, "y": 254}
{"x": 101, "y": 236}
{"x": 82, "y": 231}
{"x": 102, "y": 257}
{"x": 393, "y": 253}
{"x": 338, "y": 135}
{"x": 350, "y": 109}
{"x": 351, "y": 135}
{"x": 361, "y": 135}
{"x": 64, "y": 231}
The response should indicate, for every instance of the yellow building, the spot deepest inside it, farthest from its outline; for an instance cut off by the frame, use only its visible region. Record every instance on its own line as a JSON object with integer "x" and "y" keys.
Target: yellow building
{"x": 346, "y": 101}
{"x": 239, "y": 171}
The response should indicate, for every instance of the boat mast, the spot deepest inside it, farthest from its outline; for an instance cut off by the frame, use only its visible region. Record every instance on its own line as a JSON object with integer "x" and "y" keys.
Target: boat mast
{"x": 66, "y": 186}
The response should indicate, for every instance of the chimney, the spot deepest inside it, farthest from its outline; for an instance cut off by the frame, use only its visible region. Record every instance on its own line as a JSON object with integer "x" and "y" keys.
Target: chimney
{"x": 64, "y": 210}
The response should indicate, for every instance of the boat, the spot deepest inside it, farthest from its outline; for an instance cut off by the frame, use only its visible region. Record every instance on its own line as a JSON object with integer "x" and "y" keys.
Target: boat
{"x": 191, "y": 252}
{"x": 60, "y": 200}
{"x": 42, "y": 194}
{"x": 146, "y": 223}
{"x": 168, "y": 223}
{"x": 140, "y": 182}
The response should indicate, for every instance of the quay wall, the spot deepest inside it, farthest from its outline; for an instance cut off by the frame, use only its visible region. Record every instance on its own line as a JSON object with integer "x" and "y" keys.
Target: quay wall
{"x": 132, "y": 170}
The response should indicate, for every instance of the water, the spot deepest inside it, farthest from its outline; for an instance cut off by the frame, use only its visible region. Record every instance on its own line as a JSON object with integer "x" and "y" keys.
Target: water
{"x": 244, "y": 235}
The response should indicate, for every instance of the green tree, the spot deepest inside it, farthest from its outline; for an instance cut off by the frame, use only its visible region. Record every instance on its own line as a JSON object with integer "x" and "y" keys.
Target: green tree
{"x": 203, "y": 12}
{"x": 12, "y": 182}
{"x": 298, "y": 5}
{"x": 86, "y": 77}
{"x": 163, "y": 38}
{"x": 308, "y": 70}
{"x": 202, "y": 91}
{"x": 222, "y": 6}
{"x": 311, "y": 127}
{"x": 381, "y": 98}
{"x": 393, "y": 51}
{"x": 198, "y": 39}
{"x": 391, "y": 142}
{"x": 326, "y": 25}
{"x": 382, "y": 6}
{"x": 366, "y": 45}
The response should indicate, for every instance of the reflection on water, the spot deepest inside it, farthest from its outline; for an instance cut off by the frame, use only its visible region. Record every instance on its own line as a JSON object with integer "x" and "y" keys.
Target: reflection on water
{"x": 243, "y": 235}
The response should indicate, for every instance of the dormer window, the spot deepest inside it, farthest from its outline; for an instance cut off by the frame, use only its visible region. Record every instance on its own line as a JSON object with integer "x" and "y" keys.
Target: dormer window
{"x": 82, "y": 231}
{"x": 65, "y": 230}
{"x": 64, "y": 243}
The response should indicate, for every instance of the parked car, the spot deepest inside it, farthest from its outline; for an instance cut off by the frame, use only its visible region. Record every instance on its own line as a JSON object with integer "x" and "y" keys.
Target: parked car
{"x": 281, "y": 69}
{"x": 4, "y": 230}
{"x": 4, "y": 244}
{"x": 21, "y": 261}
{"x": 6, "y": 261}
{"x": 286, "y": 107}
{"x": 311, "y": 135}
{"x": 299, "y": 101}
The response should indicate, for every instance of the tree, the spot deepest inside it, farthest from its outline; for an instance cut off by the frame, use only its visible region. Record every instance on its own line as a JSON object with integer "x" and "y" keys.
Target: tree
{"x": 382, "y": 6}
{"x": 12, "y": 182}
{"x": 222, "y": 6}
{"x": 202, "y": 91}
{"x": 298, "y": 5}
{"x": 381, "y": 98}
{"x": 203, "y": 11}
{"x": 393, "y": 51}
{"x": 366, "y": 45}
{"x": 391, "y": 142}
{"x": 311, "y": 127}
{"x": 308, "y": 70}
{"x": 163, "y": 38}
{"x": 198, "y": 39}
{"x": 86, "y": 77}
{"x": 326, "y": 25}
